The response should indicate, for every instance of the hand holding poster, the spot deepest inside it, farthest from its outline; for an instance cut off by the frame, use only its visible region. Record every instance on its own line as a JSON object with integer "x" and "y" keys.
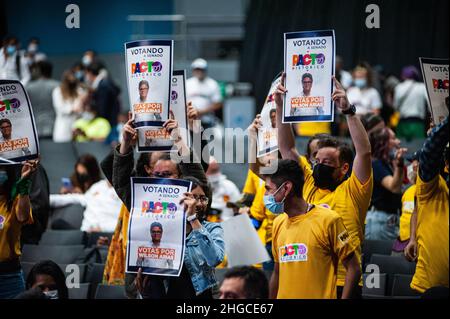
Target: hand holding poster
{"x": 309, "y": 65}
{"x": 267, "y": 136}
{"x": 18, "y": 138}
{"x": 157, "y": 226}
{"x": 149, "y": 72}
{"x": 435, "y": 76}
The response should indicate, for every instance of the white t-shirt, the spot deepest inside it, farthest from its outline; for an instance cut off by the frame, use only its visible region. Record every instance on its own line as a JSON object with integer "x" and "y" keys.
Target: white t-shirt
{"x": 65, "y": 118}
{"x": 224, "y": 190}
{"x": 366, "y": 100}
{"x": 8, "y": 68}
{"x": 202, "y": 93}
{"x": 413, "y": 98}
{"x": 306, "y": 111}
{"x": 101, "y": 202}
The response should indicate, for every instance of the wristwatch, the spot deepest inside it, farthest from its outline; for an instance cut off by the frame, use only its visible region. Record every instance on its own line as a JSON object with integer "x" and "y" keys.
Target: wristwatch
{"x": 350, "y": 111}
{"x": 191, "y": 218}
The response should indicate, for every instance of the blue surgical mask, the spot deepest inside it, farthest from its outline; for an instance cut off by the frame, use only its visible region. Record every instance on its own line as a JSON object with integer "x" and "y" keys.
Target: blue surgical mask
{"x": 361, "y": 83}
{"x": 11, "y": 49}
{"x": 272, "y": 205}
{"x": 3, "y": 177}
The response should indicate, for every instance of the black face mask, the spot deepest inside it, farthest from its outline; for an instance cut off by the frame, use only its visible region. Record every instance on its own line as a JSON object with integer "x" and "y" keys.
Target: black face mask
{"x": 83, "y": 178}
{"x": 323, "y": 177}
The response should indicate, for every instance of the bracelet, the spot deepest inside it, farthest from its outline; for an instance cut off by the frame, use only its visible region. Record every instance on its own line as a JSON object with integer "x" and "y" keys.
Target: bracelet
{"x": 191, "y": 218}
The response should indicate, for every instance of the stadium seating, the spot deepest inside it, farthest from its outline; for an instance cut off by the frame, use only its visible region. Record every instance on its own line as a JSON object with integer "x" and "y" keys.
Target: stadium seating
{"x": 370, "y": 292}
{"x": 401, "y": 286}
{"x": 94, "y": 276}
{"x": 67, "y": 217}
{"x": 79, "y": 293}
{"x": 57, "y": 253}
{"x": 63, "y": 237}
{"x": 369, "y": 247}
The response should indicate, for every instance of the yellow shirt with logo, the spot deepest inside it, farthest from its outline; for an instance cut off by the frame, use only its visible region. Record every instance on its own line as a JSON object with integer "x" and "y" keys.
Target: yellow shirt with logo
{"x": 351, "y": 200}
{"x": 260, "y": 213}
{"x": 251, "y": 183}
{"x": 431, "y": 234}
{"x": 307, "y": 248}
{"x": 10, "y": 230}
{"x": 407, "y": 209}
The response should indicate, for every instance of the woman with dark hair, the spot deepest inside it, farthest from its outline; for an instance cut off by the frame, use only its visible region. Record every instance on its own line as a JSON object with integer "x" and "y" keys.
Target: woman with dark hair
{"x": 86, "y": 173}
{"x": 49, "y": 278}
{"x": 15, "y": 211}
{"x": 382, "y": 221}
{"x": 205, "y": 249}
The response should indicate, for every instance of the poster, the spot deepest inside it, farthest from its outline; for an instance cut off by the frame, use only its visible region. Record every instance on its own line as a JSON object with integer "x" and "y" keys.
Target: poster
{"x": 149, "y": 72}
{"x": 309, "y": 59}
{"x": 157, "y": 226}
{"x": 178, "y": 104}
{"x": 435, "y": 76}
{"x": 242, "y": 244}
{"x": 267, "y": 141}
{"x": 154, "y": 138}
{"x": 18, "y": 139}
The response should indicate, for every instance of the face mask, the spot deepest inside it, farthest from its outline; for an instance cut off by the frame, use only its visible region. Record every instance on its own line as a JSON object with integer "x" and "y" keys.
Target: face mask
{"x": 214, "y": 179}
{"x": 361, "y": 83}
{"x": 87, "y": 116}
{"x": 83, "y": 178}
{"x": 33, "y": 47}
{"x": 411, "y": 174}
{"x": 3, "y": 177}
{"x": 11, "y": 49}
{"x": 272, "y": 205}
{"x": 86, "y": 60}
{"x": 51, "y": 294}
{"x": 323, "y": 176}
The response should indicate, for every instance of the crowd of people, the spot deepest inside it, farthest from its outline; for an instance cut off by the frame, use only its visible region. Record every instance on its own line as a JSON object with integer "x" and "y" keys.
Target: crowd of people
{"x": 312, "y": 215}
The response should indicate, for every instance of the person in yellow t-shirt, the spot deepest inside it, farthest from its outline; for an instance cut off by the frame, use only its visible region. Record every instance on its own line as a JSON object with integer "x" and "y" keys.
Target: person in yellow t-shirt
{"x": 331, "y": 182}
{"x": 430, "y": 243}
{"x": 308, "y": 240}
{"x": 15, "y": 211}
{"x": 91, "y": 127}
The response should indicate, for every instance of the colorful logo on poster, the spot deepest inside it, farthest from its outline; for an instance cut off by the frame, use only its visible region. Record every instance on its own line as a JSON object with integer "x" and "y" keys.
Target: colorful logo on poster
{"x": 146, "y": 67}
{"x": 439, "y": 84}
{"x": 308, "y": 59}
{"x": 9, "y": 104}
{"x": 174, "y": 95}
{"x": 163, "y": 208}
{"x": 293, "y": 252}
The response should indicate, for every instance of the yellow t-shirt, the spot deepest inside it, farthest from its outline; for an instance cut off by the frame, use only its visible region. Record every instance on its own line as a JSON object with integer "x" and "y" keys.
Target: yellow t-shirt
{"x": 307, "y": 248}
{"x": 350, "y": 200}
{"x": 10, "y": 230}
{"x": 312, "y": 128}
{"x": 260, "y": 213}
{"x": 407, "y": 209}
{"x": 251, "y": 183}
{"x": 431, "y": 234}
{"x": 98, "y": 128}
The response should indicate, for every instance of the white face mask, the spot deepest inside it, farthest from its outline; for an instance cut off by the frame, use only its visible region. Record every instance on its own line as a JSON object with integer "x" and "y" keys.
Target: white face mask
{"x": 51, "y": 294}
{"x": 86, "y": 60}
{"x": 33, "y": 47}
{"x": 411, "y": 174}
{"x": 215, "y": 178}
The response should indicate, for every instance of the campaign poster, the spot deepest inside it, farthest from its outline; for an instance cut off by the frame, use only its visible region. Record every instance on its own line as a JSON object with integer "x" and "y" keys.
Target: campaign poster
{"x": 18, "y": 139}
{"x": 267, "y": 141}
{"x": 149, "y": 72}
{"x": 435, "y": 76}
{"x": 154, "y": 138}
{"x": 309, "y": 59}
{"x": 178, "y": 104}
{"x": 157, "y": 226}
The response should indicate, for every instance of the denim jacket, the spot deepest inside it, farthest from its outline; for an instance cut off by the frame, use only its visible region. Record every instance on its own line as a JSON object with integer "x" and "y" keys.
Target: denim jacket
{"x": 205, "y": 249}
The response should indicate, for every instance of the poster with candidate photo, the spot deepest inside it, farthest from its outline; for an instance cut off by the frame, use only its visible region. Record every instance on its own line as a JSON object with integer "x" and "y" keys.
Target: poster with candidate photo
{"x": 149, "y": 72}
{"x": 267, "y": 141}
{"x": 157, "y": 226}
{"x": 435, "y": 76}
{"x": 18, "y": 139}
{"x": 309, "y": 59}
{"x": 155, "y": 138}
{"x": 178, "y": 104}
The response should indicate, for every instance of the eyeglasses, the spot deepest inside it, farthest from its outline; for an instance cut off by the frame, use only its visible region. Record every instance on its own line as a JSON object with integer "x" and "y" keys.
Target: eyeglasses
{"x": 162, "y": 174}
{"x": 3, "y": 127}
{"x": 201, "y": 198}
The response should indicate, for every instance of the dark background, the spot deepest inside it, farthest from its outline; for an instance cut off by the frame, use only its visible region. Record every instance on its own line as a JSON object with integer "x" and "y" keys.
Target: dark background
{"x": 409, "y": 29}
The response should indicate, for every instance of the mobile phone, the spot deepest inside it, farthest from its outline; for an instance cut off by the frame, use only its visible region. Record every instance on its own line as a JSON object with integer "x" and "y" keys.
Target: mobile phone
{"x": 66, "y": 182}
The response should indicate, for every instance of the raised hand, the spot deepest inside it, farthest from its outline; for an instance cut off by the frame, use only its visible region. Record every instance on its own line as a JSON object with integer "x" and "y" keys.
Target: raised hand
{"x": 28, "y": 168}
{"x": 129, "y": 134}
{"x": 339, "y": 96}
{"x": 280, "y": 91}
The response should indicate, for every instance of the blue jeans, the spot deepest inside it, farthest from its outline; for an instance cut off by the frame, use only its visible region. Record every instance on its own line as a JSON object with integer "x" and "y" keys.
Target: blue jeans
{"x": 381, "y": 225}
{"x": 11, "y": 284}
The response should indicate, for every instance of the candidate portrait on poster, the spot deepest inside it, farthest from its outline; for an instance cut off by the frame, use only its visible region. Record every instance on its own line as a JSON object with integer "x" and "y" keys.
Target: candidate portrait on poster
{"x": 18, "y": 135}
{"x": 309, "y": 59}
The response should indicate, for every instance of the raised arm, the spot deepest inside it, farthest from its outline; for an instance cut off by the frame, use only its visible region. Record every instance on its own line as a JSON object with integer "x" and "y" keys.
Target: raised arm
{"x": 286, "y": 140}
{"x": 362, "y": 164}
{"x": 432, "y": 150}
